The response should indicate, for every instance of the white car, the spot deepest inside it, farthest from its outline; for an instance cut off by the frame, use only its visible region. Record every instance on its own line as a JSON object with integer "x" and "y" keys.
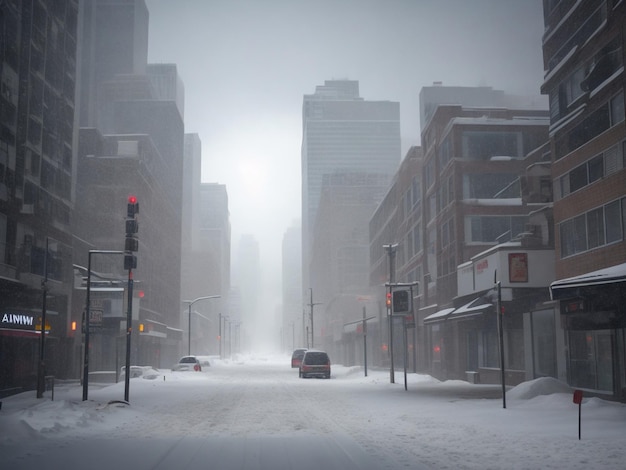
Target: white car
{"x": 187, "y": 363}
{"x": 146, "y": 372}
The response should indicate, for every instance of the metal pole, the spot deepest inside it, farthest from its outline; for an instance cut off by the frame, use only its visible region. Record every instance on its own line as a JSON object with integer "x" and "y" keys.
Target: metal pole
{"x": 87, "y": 327}
{"x": 219, "y": 334}
{"x": 41, "y": 375}
{"x": 312, "y": 329}
{"x": 189, "y": 332}
{"x": 414, "y": 331}
{"x": 391, "y": 250}
{"x": 406, "y": 354}
{"x": 129, "y": 329}
{"x": 501, "y": 335}
{"x": 364, "y": 342}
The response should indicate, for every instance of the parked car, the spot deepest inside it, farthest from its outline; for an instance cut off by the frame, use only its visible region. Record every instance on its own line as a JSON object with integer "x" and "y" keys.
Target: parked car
{"x": 187, "y": 363}
{"x": 315, "y": 364}
{"x": 146, "y": 372}
{"x": 204, "y": 361}
{"x": 296, "y": 357}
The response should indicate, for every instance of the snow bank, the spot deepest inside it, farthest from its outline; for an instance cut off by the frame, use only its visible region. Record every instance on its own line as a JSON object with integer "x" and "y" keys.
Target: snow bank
{"x": 537, "y": 387}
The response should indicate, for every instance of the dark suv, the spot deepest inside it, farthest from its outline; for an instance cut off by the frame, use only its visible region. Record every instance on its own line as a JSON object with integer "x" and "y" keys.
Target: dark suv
{"x": 296, "y": 357}
{"x": 315, "y": 364}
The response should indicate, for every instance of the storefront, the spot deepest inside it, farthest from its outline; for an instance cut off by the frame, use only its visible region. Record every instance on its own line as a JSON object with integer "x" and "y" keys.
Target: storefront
{"x": 20, "y": 340}
{"x": 464, "y": 338}
{"x": 593, "y": 312}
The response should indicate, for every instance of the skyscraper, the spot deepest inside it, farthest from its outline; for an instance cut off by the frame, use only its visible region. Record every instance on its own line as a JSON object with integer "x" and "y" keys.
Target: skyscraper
{"x": 343, "y": 133}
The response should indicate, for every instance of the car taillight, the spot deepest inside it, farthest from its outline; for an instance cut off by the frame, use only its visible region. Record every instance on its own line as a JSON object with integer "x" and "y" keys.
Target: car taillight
{"x": 197, "y": 368}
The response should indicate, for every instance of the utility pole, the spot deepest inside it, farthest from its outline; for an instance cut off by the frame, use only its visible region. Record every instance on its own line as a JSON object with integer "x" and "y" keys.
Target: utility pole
{"x": 391, "y": 251}
{"x": 41, "y": 372}
{"x": 311, "y": 304}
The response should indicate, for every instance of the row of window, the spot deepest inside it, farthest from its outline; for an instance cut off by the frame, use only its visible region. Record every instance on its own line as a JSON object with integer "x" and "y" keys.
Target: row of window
{"x": 602, "y": 119}
{"x": 598, "y": 227}
{"x": 607, "y": 162}
{"x": 493, "y": 229}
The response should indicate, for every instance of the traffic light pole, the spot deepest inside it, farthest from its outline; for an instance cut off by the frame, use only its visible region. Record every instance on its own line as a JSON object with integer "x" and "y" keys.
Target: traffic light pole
{"x": 391, "y": 251}
{"x": 129, "y": 328}
{"x": 399, "y": 304}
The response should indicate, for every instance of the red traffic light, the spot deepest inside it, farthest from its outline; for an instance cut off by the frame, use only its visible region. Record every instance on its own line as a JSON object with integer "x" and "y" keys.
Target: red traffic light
{"x": 132, "y": 199}
{"x": 388, "y": 299}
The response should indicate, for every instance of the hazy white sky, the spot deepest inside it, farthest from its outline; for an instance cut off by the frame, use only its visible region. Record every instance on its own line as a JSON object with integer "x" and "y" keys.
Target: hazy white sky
{"x": 246, "y": 65}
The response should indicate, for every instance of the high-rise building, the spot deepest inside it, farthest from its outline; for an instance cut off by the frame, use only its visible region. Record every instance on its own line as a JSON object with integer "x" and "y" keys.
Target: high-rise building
{"x": 37, "y": 81}
{"x": 583, "y": 53}
{"x": 343, "y": 133}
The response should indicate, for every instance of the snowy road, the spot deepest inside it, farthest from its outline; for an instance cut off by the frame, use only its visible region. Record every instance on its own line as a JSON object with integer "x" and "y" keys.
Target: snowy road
{"x": 259, "y": 415}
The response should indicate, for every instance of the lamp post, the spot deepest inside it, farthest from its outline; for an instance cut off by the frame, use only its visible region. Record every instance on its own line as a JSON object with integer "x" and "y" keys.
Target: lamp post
{"x": 191, "y": 302}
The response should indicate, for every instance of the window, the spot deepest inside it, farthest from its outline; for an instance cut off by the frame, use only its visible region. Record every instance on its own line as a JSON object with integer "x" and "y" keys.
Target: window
{"x": 592, "y": 170}
{"x": 544, "y": 347}
{"x": 573, "y": 236}
{"x": 608, "y": 115}
{"x": 417, "y": 196}
{"x": 445, "y": 154}
{"x": 482, "y": 145}
{"x": 595, "y": 228}
{"x": 596, "y": 168}
{"x": 617, "y": 109}
{"x": 3, "y": 238}
{"x": 485, "y": 185}
{"x": 488, "y": 229}
{"x": 417, "y": 238}
{"x": 614, "y": 221}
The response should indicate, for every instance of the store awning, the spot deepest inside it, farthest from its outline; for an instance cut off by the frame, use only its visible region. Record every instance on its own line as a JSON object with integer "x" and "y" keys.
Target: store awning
{"x": 441, "y": 315}
{"x": 471, "y": 309}
{"x": 573, "y": 286}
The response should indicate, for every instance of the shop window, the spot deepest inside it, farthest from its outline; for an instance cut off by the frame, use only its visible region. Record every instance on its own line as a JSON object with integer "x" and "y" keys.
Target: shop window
{"x": 544, "y": 347}
{"x": 591, "y": 359}
{"x": 490, "y": 352}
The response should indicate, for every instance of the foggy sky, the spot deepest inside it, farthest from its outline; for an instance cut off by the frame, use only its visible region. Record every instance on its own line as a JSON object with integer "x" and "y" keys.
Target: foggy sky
{"x": 246, "y": 65}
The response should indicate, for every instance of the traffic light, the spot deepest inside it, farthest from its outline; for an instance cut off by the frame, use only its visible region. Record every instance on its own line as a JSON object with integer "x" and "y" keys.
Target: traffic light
{"x": 401, "y": 301}
{"x": 388, "y": 299}
{"x": 131, "y": 244}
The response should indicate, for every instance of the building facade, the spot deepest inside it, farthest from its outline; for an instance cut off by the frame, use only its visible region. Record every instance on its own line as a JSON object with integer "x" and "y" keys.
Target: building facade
{"x": 37, "y": 82}
{"x": 583, "y": 51}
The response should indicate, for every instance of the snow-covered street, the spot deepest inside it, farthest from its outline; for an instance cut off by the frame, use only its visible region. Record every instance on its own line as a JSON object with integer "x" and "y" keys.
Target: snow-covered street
{"x": 255, "y": 413}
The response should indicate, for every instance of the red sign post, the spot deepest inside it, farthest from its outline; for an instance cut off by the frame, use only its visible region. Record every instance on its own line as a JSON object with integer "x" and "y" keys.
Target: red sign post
{"x": 578, "y": 400}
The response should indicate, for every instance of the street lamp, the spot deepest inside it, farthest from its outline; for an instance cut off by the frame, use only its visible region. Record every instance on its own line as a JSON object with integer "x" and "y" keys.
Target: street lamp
{"x": 191, "y": 302}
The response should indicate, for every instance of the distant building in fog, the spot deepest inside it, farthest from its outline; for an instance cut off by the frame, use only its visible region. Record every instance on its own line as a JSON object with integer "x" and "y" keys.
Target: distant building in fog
{"x": 292, "y": 286}
{"x": 247, "y": 279}
{"x": 131, "y": 142}
{"x": 343, "y": 133}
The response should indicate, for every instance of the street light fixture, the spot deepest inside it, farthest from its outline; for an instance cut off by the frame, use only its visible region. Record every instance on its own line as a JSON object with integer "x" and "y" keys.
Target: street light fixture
{"x": 191, "y": 302}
